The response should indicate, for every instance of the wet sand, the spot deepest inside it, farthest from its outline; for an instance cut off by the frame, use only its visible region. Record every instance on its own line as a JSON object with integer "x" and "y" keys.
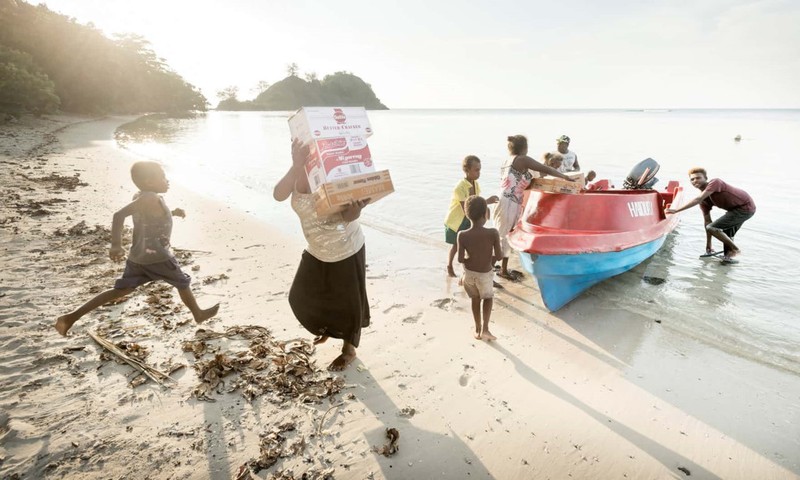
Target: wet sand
{"x": 590, "y": 392}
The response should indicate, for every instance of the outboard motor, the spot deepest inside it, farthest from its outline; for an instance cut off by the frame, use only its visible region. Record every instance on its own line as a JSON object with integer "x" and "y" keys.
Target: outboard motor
{"x": 642, "y": 176}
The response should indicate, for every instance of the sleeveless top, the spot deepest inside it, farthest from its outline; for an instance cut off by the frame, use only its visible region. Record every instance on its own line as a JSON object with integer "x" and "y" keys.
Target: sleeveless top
{"x": 151, "y": 233}
{"x": 513, "y": 183}
{"x": 569, "y": 161}
{"x": 330, "y": 239}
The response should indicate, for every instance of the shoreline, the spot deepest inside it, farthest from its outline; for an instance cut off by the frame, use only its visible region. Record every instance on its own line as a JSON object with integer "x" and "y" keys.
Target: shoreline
{"x": 601, "y": 394}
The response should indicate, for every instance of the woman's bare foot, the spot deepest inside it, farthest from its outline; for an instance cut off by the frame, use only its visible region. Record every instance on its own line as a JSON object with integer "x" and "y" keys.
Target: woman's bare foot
{"x": 64, "y": 323}
{"x": 206, "y": 314}
{"x": 320, "y": 339}
{"x": 477, "y": 335}
{"x": 450, "y": 271}
{"x": 346, "y": 358}
{"x": 487, "y": 335}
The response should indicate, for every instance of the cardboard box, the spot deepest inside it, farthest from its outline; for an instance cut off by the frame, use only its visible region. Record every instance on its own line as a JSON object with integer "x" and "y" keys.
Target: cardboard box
{"x": 579, "y": 178}
{"x": 556, "y": 185}
{"x": 331, "y": 159}
{"x": 334, "y": 196}
{"x": 312, "y": 123}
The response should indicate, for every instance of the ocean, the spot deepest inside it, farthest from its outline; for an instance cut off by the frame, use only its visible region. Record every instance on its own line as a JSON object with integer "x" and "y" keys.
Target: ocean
{"x": 750, "y": 309}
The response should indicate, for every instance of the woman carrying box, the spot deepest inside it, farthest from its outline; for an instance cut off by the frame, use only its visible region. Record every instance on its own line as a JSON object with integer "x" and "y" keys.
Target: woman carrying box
{"x": 329, "y": 293}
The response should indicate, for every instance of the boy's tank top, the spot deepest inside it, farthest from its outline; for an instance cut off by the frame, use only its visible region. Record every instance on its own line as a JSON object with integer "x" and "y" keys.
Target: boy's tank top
{"x": 151, "y": 233}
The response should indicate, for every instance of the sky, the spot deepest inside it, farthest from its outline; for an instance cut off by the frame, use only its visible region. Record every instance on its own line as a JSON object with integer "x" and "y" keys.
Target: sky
{"x": 481, "y": 54}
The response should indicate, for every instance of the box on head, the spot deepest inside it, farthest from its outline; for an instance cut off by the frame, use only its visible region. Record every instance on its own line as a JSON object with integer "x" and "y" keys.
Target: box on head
{"x": 338, "y": 152}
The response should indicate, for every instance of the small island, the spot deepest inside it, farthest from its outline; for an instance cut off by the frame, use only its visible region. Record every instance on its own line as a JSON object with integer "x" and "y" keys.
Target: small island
{"x": 339, "y": 89}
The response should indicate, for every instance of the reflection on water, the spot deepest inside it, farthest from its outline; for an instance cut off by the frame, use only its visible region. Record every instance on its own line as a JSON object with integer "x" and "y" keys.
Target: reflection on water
{"x": 238, "y": 157}
{"x": 155, "y": 127}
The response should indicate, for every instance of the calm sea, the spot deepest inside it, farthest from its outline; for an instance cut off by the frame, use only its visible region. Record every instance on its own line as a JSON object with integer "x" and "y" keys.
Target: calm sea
{"x": 749, "y": 309}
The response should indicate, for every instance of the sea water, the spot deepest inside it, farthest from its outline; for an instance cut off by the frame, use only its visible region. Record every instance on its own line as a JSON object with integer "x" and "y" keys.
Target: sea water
{"x": 750, "y": 309}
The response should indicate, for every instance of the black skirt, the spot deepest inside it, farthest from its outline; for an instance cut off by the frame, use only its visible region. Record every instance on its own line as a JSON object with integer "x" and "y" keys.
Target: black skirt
{"x": 330, "y": 298}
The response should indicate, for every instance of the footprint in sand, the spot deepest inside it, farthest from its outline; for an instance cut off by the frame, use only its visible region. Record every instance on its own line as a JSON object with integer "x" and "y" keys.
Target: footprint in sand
{"x": 463, "y": 380}
{"x": 443, "y": 303}
{"x": 396, "y": 305}
{"x": 413, "y": 318}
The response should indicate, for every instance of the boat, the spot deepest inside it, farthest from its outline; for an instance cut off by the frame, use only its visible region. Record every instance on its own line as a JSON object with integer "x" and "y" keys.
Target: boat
{"x": 570, "y": 242}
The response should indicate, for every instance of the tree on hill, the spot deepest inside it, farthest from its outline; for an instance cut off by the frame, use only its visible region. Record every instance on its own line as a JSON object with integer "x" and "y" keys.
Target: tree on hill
{"x": 91, "y": 72}
{"x": 23, "y": 86}
{"x": 339, "y": 89}
{"x": 346, "y": 89}
{"x": 228, "y": 93}
{"x": 292, "y": 69}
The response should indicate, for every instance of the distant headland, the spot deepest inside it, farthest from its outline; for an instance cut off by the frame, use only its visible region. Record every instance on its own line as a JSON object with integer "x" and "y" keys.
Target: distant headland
{"x": 49, "y": 62}
{"x": 339, "y": 89}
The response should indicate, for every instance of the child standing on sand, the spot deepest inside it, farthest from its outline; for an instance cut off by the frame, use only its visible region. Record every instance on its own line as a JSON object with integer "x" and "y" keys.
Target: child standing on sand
{"x": 150, "y": 257}
{"x": 478, "y": 249}
{"x": 456, "y": 221}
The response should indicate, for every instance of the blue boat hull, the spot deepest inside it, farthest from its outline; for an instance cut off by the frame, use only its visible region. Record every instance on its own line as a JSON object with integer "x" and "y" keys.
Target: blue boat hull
{"x": 561, "y": 278}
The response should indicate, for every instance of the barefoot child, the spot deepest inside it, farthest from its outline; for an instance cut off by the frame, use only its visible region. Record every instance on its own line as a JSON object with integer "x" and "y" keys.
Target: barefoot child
{"x": 456, "y": 221}
{"x": 478, "y": 248}
{"x": 150, "y": 257}
{"x": 329, "y": 292}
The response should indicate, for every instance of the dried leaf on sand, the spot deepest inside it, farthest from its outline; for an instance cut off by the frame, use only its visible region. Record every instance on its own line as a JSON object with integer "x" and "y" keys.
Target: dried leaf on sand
{"x": 391, "y": 447}
{"x": 280, "y": 370}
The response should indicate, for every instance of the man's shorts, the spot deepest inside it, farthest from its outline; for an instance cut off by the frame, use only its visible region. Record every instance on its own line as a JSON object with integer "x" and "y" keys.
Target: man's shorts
{"x": 450, "y": 236}
{"x": 731, "y": 222}
{"x": 478, "y": 284}
{"x": 137, "y": 274}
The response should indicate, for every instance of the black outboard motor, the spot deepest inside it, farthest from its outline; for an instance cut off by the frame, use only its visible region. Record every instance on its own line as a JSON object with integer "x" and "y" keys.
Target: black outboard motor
{"x": 642, "y": 176}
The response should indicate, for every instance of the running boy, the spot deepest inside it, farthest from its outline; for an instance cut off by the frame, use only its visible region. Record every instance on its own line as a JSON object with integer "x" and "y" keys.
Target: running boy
{"x": 456, "y": 221}
{"x": 150, "y": 257}
{"x": 478, "y": 249}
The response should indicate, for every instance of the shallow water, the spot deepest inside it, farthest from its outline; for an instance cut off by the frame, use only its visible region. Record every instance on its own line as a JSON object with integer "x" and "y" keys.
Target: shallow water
{"x": 748, "y": 309}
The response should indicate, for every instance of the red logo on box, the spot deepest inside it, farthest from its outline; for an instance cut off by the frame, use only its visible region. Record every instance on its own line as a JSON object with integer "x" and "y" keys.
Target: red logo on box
{"x": 339, "y": 116}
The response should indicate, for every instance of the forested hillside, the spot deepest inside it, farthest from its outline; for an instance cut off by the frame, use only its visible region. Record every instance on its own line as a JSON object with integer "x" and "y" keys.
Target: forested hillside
{"x": 341, "y": 89}
{"x": 49, "y": 61}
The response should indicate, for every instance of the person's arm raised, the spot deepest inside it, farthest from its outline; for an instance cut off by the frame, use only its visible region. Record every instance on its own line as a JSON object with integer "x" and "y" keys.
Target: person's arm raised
{"x": 285, "y": 186}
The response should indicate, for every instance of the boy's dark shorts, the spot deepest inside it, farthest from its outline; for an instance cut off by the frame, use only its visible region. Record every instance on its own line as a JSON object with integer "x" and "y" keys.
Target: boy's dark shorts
{"x": 169, "y": 271}
{"x": 731, "y": 221}
{"x": 450, "y": 236}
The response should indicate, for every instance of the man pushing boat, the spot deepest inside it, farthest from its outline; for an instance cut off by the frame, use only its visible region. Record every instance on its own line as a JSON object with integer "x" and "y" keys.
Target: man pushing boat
{"x": 739, "y": 208}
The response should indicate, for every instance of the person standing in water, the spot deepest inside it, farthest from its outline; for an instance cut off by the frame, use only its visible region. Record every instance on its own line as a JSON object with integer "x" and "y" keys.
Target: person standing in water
{"x": 737, "y": 203}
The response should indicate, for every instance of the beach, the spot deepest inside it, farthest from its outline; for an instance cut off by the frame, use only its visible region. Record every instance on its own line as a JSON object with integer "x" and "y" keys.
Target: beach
{"x": 590, "y": 392}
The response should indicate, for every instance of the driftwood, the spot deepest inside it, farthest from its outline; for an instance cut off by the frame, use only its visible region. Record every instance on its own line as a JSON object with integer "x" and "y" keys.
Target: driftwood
{"x": 322, "y": 422}
{"x": 151, "y": 372}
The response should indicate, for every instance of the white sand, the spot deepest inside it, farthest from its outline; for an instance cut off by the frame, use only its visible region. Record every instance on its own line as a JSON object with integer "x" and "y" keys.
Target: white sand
{"x": 592, "y": 392}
